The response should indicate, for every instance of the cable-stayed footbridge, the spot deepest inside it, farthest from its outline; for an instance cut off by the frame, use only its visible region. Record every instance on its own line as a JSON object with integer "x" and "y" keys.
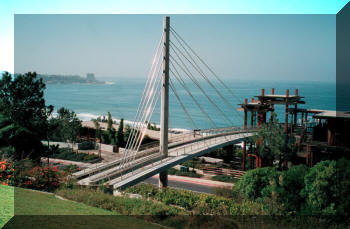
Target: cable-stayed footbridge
{"x": 175, "y": 65}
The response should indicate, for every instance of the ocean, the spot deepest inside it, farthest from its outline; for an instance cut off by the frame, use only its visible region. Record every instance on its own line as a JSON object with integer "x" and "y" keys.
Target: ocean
{"x": 122, "y": 96}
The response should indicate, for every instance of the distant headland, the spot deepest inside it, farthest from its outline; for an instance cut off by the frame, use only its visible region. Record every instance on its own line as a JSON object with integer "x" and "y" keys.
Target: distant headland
{"x": 70, "y": 79}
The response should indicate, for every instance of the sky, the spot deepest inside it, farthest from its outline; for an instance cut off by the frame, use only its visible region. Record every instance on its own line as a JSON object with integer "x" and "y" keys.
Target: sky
{"x": 10, "y": 8}
{"x": 270, "y": 47}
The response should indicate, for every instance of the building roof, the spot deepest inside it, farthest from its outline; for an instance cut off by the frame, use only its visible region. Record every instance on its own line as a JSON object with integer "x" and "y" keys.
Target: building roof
{"x": 333, "y": 114}
{"x": 91, "y": 125}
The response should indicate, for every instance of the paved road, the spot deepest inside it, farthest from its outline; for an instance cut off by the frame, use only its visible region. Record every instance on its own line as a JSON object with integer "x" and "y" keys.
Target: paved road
{"x": 183, "y": 185}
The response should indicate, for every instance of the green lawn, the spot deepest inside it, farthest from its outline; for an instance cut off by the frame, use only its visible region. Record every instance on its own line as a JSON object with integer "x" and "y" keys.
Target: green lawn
{"x": 6, "y": 204}
{"x": 39, "y": 210}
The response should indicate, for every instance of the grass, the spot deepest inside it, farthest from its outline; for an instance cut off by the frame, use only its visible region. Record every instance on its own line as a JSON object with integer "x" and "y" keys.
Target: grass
{"x": 6, "y": 204}
{"x": 39, "y": 210}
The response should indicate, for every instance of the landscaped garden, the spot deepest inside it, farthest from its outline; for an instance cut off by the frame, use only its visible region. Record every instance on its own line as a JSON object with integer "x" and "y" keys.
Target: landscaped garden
{"x": 293, "y": 193}
{"x": 176, "y": 172}
{"x": 37, "y": 205}
{"x": 69, "y": 154}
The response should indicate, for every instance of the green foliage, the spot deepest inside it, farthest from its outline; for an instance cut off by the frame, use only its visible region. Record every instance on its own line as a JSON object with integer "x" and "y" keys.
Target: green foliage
{"x": 127, "y": 133}
{"x": 24, "y": 174}
{"x": 110, "y": 135}
{"x": 202, "y": 204}
{"x": 69, "y": 124}
{"x": 255, "y": 182}
{"x": 321, "y": 188}
{"x": 192, "y": 163}
{"x": 224, "y": 154}
{"x": 68, "y": 154}
{"x": 343, "y": 187}
{"x": 109, "y": 121}
{"x": 225, "y": 178}
{"x": 23, "y": 115}
{"x": 98, "y": 129}
{"x": 86, "y": 145}
{"x": 176, "y": 172}
{"x": 152, "y": 126}
{"x": 125, "y": 206}
{"x": 275, "y": 144}
{"x": 120, "y": 134}
{"x": 282, "y": 196}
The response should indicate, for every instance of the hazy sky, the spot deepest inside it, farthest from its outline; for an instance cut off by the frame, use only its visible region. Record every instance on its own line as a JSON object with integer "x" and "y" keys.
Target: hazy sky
{"x": 273, "y": 47}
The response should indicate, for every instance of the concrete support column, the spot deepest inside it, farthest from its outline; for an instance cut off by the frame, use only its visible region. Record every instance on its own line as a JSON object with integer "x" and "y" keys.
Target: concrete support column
{"x": 164, "y": 110}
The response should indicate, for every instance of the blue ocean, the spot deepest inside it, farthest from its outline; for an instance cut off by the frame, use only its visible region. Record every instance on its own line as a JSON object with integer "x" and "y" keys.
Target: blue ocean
{"x": 121, "y": 97}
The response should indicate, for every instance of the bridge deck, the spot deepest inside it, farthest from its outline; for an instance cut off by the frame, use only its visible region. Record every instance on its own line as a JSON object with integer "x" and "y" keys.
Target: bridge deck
{"x": 176, "y": 156}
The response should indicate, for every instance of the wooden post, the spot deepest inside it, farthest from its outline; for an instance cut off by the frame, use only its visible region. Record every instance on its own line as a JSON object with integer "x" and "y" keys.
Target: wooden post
{"x": 272, "y": 106}
{"x": 244, "y": 154}
{"x": 245, "y": 113}
{"x": 251, "y": 119}
{"x": 164, "y": 112}
{"x": 286, "y": 113}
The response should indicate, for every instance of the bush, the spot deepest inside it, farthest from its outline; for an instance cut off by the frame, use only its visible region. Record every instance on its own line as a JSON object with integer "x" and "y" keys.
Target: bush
{"x": 202, "y": 204}
{"x": 253, "y": 182}
{"x": 282, "y": 196}
{"x": 122, "y": 205}
{"x": 68, "y": 154}
{"x": 86, "y": 145}
{"x": 321, "y": 188}
{"x": 44, "y": 178}
{"x": 23, "y": 174}
{"x": 225, "y": 178}
{"x": 176, "y": 172}
{"x": 192, "y": 163}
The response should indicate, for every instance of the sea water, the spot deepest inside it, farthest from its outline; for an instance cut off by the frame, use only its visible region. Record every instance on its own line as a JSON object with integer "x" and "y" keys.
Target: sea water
{"x": 122, "y": 96}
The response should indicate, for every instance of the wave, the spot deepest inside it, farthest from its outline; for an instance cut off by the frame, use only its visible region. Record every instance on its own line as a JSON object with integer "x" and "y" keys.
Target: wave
{"x": 89, "y": 116}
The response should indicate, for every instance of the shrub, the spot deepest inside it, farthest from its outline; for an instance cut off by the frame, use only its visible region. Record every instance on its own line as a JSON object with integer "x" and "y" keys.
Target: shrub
{"x": 68, "y": 154}
{"x": 288, "y": 187}
{"x": 7, "y": 173}
{"x": 322, "y": 188}
{"x": 122, "y": 205}
{"x": 44, "y": 178}
{"x": 202, "y": 204}
{"x": 252, "y": 184}
{"x": 19, "y": 174}
{"x": 86, "y": 145}
{"x": 176, "y": 172}
{"x": 225, "y": 178}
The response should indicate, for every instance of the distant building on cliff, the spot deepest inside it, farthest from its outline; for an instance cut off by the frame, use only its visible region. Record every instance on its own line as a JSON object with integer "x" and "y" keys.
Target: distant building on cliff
{"x": 90, "y": 77}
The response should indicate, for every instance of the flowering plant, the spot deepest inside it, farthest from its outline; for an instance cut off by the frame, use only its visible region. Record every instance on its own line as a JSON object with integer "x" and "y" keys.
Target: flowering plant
{"x": 7, "y": 173}
{"x": 41, "y": 178}
{"x": 44, "y": 178}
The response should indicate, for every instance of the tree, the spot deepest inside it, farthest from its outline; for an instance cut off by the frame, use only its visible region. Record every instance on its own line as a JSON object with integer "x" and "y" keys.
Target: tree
{"x": 127, "y": 133}
{"x": 273, "y": 143}
{"x": 98, "y": 134}
{"x": 22, "y": 103}
{"x": 69, "y": 125}
{"x": 109, "y": 136}
{"x": 120, "y": 134}
{"x": 321, "y": 188}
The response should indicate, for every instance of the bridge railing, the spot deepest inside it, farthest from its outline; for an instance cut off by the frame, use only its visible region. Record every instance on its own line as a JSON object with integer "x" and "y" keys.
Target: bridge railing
{"x": 225, "y": 134}
{"x": 195, "y": 134}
